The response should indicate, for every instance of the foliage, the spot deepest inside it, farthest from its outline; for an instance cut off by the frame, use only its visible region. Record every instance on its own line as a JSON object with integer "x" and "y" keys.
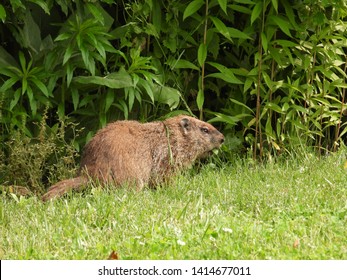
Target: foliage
{"x": 280, "y": 73}
{"x": 82, "y": 69}
{"x": 272, "y": 73}
{"x": 240, "y": 211}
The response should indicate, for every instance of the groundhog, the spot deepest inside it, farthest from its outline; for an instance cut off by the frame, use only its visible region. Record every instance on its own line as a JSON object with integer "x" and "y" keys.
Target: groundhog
{"x": 135, "y": 154}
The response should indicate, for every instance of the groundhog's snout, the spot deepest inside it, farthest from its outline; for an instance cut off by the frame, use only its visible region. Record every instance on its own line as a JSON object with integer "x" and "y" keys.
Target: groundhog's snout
{"x": 221, "y": 140}
{"x": 218, "y": 139}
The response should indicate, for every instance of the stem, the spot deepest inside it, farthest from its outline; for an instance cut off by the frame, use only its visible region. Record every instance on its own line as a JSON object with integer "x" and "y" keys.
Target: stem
{"x": 203, "y": 65}
{"x": 257, "y": 113}
{"x": 337, "y": 131}
{"x": 272, "y": 114}
{"x": 321, "y": 122}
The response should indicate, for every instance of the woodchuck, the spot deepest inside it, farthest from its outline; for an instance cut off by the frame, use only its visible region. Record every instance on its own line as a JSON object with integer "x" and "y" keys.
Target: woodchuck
{"x": 132, "y": 153}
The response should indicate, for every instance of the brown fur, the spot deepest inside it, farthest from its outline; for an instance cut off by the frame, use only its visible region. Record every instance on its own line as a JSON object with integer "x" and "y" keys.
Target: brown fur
{"x": 128, "y": 152}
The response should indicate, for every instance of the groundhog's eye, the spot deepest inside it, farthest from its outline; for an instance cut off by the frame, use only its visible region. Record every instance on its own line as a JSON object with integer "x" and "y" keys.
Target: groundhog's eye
{"x": 205, "y": 130}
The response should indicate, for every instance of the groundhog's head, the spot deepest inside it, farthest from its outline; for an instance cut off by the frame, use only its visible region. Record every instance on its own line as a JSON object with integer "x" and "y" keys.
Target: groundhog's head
{"x": 201, "y": 136}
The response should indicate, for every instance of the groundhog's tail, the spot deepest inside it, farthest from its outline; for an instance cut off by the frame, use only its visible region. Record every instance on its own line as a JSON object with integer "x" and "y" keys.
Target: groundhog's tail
{"x": 65, "y": 186}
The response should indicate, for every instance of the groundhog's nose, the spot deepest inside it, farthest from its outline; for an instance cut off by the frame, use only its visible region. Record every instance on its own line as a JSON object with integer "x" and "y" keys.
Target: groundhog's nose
{"x": 221, "y": 140}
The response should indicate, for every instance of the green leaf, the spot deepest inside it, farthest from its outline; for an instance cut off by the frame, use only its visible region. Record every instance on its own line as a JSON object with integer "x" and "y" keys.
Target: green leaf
{"x": 241, "y": 104}
{"x": 41, "y": 86}
{"x": 285, "y": 43}
{"x": 69, "y": 74}
{"x": 114, "y": 80}
{"x": 232, "y": 120}
{"x": 157, "y": 16}
{"x": 85, "y": 57}
{"x": 182, "y": 63}
{"x": 343, "y": 132}
{"x": 24, "y": 85}
{"x": 98, "y": 15}
{"x": 200, "y": 99}
{"x": 135, "y": 79}
{"x": 268, "y": 81}
{"x": 63, "y": 37}
{"x": 285, "y": 107}
{"x": 167, "y": 95}
{"x": 319, "y": 18}
{"x": 75, "y": 98}
{"x": 109, "y": 99}
{"x": 222, "y": 29}
{"x": 88, "y": 99}
{"x": 290, "y": 14}
{"x": 131, "y": 93}
{"x": 22, "y": 61}
{"x": 32, "y": 101}
{"x": 245, "y": 1}
{"x": 235, "y": 33}
{"x": 43, "y": 4}
{"x": 264, "y": 41}
{"x": 63, "y": 7}
{"x": 298, "y": 124}
{"x": 228, "y": 32}
{"x": 223, "y": 5}
{"x": 91, "y": 65}
{"x": 268, "y": 129}
{"x": 225, "y": 74}
{"x": 300, "y": 108}
{"x": 120, "y": 32}
{"x": 147, "y": 86}
{"x": 6, "y": 59}
{"x": 258, "y": 8}
{"x": 338, "y": 84}
{"x": 15, "y": 99}
{"x": 213, "y": 42}
{"x": 29, "y": 93}
{"x": 2, "y": 13}
{"x": 275, "y": 5}
{"x": 31, "y": 33}
{"x": 151, "y": 29}
{"x": 102, "y": 119}
{"x": 248, "y": 84}
{"x": 322, "y": 101}
{"x": 329, "y": 74}
{"x": 202, "y": 54}
{"x": 67, "y": 54}
{"x": 241, "y": 9}
{"x": 283, "y": 24}
{"x": 8, "y": 84}
{"x": 192, "y": 8}
{"x": 61, "y": 110}
{"x": 274, "y": 107}
{"x": 229, "y": 78}
{"x": 124, "y": 108}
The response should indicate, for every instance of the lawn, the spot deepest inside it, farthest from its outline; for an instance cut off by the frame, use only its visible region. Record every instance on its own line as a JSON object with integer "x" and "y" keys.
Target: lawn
{"x": 288, "y": 209}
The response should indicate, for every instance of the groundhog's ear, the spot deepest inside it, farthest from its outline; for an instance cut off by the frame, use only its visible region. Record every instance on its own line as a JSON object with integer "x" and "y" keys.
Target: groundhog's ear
{"x": 185, "y": 123}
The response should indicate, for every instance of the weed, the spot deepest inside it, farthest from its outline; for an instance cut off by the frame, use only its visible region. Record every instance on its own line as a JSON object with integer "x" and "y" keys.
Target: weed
{"x": 35, "y": 162}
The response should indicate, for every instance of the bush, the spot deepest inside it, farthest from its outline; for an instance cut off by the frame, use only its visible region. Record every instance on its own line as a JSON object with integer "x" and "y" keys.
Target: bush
{"x": 36, "y": 163}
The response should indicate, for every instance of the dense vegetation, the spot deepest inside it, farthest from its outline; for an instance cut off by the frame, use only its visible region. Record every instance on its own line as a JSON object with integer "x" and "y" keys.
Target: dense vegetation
{"x": 271, "y": 74}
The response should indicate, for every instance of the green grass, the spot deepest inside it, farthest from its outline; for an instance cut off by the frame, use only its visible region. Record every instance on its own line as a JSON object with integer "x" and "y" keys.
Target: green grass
{"x": 294, "y": 209}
